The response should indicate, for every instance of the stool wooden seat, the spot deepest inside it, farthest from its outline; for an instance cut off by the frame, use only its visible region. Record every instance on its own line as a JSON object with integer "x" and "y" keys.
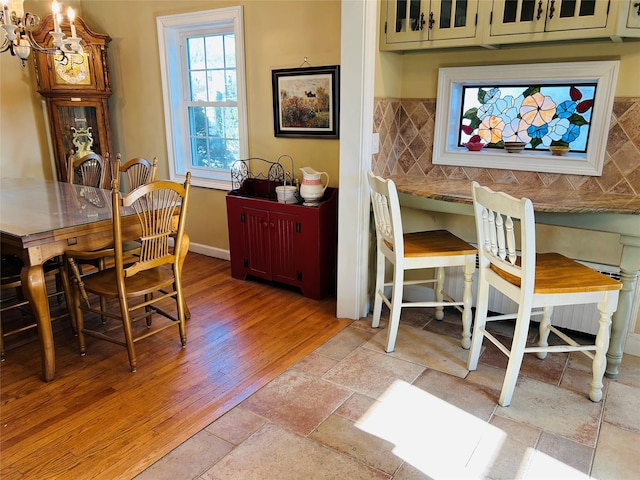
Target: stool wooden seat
{"x": 509, "y": 263}
{"x": 436, "y": 250}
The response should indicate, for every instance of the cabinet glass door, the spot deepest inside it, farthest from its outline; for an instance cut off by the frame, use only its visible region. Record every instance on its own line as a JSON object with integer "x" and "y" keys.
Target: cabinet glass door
{"x": 518, "y": 16}
{"x": 449, "y": 19}
{"x": 576, "y": 14}
{"x": 512, "y": 17}
{"x": 406, "y": 21}
{"x": 633, "y": 20}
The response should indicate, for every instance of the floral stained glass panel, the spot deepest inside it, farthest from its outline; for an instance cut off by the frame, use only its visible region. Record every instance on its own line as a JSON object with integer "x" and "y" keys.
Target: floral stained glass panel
{"x": 538, "y": 115}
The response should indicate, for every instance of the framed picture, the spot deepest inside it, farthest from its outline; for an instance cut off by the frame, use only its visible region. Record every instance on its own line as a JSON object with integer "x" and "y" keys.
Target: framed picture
{"x": 305, "y": 102}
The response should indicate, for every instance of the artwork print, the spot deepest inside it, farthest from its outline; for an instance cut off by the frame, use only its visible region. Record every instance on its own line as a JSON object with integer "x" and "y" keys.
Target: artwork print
{"x": 306, "y": 102}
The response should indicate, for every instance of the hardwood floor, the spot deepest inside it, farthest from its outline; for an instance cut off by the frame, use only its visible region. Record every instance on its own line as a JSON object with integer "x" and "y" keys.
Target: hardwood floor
{"x": 99, "y": 420}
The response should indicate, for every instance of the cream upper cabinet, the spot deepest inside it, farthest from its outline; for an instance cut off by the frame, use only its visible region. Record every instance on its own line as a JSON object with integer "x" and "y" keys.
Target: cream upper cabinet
{"x": 425, "y": 24}
{"x": 414, "y": 24}
{"x": 516, "y": 17}
{"x": 630, "y": 19}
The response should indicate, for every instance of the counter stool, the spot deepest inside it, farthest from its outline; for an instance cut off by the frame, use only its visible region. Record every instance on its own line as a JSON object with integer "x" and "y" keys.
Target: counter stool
{"x": 509, "y": 263}
{"x": 411, "y": 251}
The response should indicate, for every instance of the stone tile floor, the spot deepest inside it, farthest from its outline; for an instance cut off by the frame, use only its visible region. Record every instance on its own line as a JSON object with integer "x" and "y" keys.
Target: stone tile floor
{"x": 351, "y": 411}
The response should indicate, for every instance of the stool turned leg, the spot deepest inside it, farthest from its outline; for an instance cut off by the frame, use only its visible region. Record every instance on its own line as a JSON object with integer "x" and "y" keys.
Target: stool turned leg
{"x": 379, "y": 291}
{"x": 467, "y": 301}
{"x": 396, "y": 307}
{"x": 439, "y": 297}
{"x": 606, "y": 308}
{"x": 545, "y": 328}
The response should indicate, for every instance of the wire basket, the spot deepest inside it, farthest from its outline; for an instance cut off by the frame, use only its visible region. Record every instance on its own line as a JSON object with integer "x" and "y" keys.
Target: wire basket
{"x": 258, "y": 177}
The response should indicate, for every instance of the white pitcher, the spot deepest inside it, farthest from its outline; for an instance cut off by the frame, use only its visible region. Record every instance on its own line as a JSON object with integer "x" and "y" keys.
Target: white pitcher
{"x": 312, "y": 189}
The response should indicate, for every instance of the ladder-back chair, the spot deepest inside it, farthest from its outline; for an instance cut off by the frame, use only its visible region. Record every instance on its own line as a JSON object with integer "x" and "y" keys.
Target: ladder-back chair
{"x": 153, "y": 277}
{"x": 436, "y": 250}
{"x": 509, "y": 263}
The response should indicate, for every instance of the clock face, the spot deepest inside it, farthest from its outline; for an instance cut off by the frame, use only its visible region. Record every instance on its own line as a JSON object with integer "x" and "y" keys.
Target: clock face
{"x": 73, "y": 68}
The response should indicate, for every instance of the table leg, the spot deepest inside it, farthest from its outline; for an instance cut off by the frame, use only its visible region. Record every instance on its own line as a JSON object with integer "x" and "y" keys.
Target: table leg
{"x": 35, "y": 289}
{"x": 629, "y": 266}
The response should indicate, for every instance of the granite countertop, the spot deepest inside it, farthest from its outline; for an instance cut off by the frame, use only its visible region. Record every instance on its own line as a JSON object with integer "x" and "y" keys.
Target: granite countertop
{"x": 544, "y": 199}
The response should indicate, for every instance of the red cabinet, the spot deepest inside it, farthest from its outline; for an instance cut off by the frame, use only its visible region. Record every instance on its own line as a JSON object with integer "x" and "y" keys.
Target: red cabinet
{"x": 290, "y": 244}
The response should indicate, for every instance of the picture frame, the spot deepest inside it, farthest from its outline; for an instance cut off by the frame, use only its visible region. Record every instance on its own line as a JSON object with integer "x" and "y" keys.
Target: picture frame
{"x": 306, "y": 102}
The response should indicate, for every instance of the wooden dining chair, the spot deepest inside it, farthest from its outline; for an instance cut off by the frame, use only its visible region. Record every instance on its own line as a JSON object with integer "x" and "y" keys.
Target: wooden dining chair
{"x": 89, "y": 170}
{"x": 537, "y": 282}
{"x": 437, "y": 250}
{"x": 136, "y": 171}
{"x": 154, "y": 276}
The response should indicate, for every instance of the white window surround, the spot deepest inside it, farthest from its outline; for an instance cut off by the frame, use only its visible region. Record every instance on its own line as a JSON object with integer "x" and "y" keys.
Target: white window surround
{"x": 172, "y": 29}
{"x": 448, "y": 107}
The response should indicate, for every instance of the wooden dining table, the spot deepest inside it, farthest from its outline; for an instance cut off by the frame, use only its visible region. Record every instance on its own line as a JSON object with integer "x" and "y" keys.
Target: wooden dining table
{"x": 41, "y": 219}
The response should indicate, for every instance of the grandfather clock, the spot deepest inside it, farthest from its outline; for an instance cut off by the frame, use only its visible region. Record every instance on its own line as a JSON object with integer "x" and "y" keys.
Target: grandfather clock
{"x": 76, "y": 88}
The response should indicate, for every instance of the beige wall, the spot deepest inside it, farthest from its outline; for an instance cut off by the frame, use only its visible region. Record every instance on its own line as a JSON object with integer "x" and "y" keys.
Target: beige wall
{"x": 278, "y": 34}
{"x": 415, "y": 74}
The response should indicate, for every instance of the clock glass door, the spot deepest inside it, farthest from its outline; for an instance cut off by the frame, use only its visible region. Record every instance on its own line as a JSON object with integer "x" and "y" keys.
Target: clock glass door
{"x": 78, "y": 131}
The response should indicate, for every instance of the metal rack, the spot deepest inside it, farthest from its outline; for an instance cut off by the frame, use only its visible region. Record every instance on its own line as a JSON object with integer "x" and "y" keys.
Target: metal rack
{"x": 258, "y": 177}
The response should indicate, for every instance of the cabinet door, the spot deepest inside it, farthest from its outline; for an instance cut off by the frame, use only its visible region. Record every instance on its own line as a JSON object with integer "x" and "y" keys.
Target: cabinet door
{"x": 633, "y": 17}
{"x": 285, "y": 231}
{"x": 257, "y": 242}
{"x": 512, "y": 17}
{"x": 452, "y": 19}
{"x": 576, "y": 14}
{"x": 406, "y": 21}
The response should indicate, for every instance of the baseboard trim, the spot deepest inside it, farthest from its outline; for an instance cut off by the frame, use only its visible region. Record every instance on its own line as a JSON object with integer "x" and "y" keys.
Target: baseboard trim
{"x": 209, "y": 251}
{"x": 632, "y": 345}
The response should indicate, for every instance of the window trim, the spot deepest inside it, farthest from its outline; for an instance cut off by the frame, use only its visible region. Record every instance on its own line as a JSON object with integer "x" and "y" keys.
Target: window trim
{"x": 171, "y": 31}
{"x": 448, "y": 106}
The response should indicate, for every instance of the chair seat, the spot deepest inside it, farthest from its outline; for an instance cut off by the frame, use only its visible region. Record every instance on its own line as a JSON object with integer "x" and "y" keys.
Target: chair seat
{"x": 435, "y": 243}
{"x": 104, "y": 282}
{"x": 557, "y": 274}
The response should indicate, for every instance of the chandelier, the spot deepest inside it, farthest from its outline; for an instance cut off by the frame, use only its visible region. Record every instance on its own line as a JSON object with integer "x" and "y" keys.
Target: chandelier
{"x": 18, "y": 25}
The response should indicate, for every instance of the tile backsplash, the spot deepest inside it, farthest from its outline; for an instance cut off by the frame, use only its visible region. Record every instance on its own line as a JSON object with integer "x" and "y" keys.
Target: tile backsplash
{"x": 406, "y": 129}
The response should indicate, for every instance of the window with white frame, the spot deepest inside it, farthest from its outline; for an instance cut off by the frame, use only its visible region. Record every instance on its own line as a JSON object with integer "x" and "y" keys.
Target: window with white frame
{"x": 545, "y": 107}
{"x": 203, "y": 82}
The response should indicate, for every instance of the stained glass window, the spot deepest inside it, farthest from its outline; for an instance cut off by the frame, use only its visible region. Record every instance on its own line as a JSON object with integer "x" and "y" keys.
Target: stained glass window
{"x": 538, "y": 115}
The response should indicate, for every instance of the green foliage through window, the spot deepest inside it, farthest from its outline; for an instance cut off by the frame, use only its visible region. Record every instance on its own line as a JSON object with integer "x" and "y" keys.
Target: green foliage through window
{"x": 213, "y": 109}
